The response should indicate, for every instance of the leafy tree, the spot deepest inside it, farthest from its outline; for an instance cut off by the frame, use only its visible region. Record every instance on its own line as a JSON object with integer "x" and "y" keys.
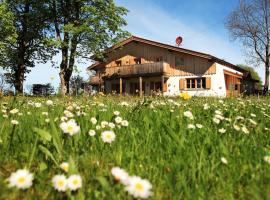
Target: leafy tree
{"x": 84, "y": 28}
{"x": 76, "y": 83}
{"x": 250, "y": 24}
{"x": 253, "y": 73}
{"x": 28, "y": 43}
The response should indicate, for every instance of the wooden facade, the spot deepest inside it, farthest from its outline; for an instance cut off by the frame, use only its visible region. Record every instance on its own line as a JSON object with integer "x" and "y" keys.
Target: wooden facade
{"x": 137, "y": 57}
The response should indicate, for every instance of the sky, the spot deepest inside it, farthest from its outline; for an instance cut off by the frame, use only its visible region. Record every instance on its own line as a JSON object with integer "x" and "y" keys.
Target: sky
{"x": 199, "y": 22}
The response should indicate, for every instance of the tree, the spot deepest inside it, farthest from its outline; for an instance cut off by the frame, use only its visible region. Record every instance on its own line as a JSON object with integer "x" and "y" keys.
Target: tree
{"x": 30, "y": 24}
{"x": 76, "y": 84}
{"x": 253, "y": 73}
{"x": 250, "y": 24}
{"x": 84, "y": 28}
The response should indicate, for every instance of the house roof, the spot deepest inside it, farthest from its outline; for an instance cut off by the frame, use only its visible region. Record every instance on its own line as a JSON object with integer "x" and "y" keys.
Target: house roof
{"x": 169, "y": 47}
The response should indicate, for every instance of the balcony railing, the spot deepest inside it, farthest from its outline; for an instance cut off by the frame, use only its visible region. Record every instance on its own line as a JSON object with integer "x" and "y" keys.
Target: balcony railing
{"x": 95, "y": 80}
{"x": 158, "y": 68}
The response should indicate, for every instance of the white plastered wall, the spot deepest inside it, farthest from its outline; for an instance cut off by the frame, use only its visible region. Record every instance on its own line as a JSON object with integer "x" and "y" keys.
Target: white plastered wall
{"x": 218, "y": 87}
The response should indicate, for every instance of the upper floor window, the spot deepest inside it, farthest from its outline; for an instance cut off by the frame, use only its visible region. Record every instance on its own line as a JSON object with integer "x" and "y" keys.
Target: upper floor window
{"x": 118, "y": 63}
{"x": 138, "y": 61}
{"x": 179, "y": 61}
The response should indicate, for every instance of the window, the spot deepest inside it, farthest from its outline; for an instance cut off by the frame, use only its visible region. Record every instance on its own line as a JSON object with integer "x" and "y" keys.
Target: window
{"x": 118, "y": 63}
{"x": 138, "y": 61}
{"x": 179, "y": 61}
{"x": 196, "y": 83}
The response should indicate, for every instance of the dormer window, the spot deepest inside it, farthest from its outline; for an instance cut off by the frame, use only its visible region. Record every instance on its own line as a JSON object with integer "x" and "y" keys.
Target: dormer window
{"x": 118, "y": 63}
{"x": 138, "y": 61}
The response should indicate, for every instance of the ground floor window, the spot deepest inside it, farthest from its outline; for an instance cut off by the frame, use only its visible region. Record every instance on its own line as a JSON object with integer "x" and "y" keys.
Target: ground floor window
{"x": 196, "y": 83}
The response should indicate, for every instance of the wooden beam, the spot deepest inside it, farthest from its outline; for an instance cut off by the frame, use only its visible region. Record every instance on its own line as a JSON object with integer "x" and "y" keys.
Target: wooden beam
{"x": 121, "y": 86}
{"x": 141, "y": 92}
{"x": 162, "y": 84}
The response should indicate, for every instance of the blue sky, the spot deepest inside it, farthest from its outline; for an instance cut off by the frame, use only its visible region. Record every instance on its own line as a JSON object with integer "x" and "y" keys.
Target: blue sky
{"x": 199, "y": 22}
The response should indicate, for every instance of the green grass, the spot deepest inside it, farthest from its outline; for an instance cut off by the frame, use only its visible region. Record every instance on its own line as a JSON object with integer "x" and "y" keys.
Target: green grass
{"x": 180, "y": 163}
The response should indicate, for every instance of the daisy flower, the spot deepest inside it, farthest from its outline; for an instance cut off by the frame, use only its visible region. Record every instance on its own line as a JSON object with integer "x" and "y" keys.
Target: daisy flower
{"x": 64, "y": 166}
{"x": 74, "y": 182}
{"x": 118, "y": 120}
{"x": 108, "y": 136}
{"x": 70, "y": 127}
{"x": 116, "y": 113}
{"x": 60, "y": 183}
{"x": 49, "y": 103}
{"x": 120, "y": 175}
{"x": 93, "y": 120}
{"x": 267, "y": 159}
{"x": 22, "y": 179}
{"x": 14, "y": 122}
{"x": 124, "y": 123}
{"x": 222, "y": 130}
{"x": 92, "y": 132}
{"x": 188, "y": 114}
{"x": 14, "y": 111}
{"x": 139, "y": 188}
{"x": 224, "y": 160}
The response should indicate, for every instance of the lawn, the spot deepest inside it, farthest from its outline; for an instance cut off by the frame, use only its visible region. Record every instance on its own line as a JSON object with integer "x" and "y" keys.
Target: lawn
{"x": 201, "y": 148}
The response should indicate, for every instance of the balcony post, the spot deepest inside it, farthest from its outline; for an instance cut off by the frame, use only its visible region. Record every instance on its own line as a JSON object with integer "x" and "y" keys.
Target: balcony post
{"x": 121, "y": 86}
{"x": 162, "y": 84}
{"x": 140, "y": 80}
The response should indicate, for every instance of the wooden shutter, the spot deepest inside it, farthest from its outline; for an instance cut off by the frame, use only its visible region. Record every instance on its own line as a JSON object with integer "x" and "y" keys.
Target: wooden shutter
{"x": 208, "y": 83}
{"x": 165, "y": 87}
{"x": 182, "y": 84}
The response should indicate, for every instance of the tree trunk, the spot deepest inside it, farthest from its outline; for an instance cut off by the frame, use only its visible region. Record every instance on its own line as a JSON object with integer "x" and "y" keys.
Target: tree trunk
{"x": 64, "y": 65}
{"x": 19, "y": 72}
{"x": 266, "y": 83}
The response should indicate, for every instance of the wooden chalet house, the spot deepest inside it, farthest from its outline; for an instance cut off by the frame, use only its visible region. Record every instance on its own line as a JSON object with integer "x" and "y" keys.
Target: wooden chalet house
{"x": 144, "y": 67}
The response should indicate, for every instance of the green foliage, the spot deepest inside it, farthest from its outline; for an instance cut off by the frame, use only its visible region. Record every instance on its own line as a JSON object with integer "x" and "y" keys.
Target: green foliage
{"x": 180, "y": 162}
{"x": 254, "y": 74}
{"x": 25, "y": 32}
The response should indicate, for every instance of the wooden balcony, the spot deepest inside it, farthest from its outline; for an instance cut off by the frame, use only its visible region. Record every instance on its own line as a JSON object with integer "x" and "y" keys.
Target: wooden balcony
{"x": 147, "y": 69}
{"x": 95, "y": 80}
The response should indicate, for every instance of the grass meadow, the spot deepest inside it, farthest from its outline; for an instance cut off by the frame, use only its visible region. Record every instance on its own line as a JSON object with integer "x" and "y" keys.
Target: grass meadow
{"x": 201, "y": 148}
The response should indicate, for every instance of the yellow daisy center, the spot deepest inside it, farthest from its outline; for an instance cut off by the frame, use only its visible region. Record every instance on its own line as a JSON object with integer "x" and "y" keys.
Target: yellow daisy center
{"x": 60, "y": 183}
{"x": 139, "y": 186}
{"x": 75, "y": 182}
{"x": 108, "y": 136}
{"x": 267, "y": 158}
{"x": 21, "y": 180}
{"x": 70, "y": 128}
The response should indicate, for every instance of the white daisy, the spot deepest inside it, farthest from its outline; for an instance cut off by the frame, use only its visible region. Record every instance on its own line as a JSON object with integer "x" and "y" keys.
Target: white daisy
{"x": 124, "y": 123}
{"x": 93, "y": 120}
{"x": 70, "y": 127}
{"x": 120, "y": 175}
{"x": 267, "y": 159}
{"x": 92, "y": 132}
{"x": 139, "y": 188}
{"x": 116, "y": 113}
{"x": 108, "y": 136}
{"x": 118, "y": 120}
{"x": 14, "y": 111}
{"x": 14, "y": 122}
{"x": 224, "y": 160}
{"x": 64, "y": 166}
{"x": 74, "y": 182}
{"x": 222, "y": 130}
{"x": 199, "y": 125}
{"x": 49, "y": 103}
{"x": 22, "y": 179}
{"x": 188, "y": 114}
{"x": 60, "y": 183}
